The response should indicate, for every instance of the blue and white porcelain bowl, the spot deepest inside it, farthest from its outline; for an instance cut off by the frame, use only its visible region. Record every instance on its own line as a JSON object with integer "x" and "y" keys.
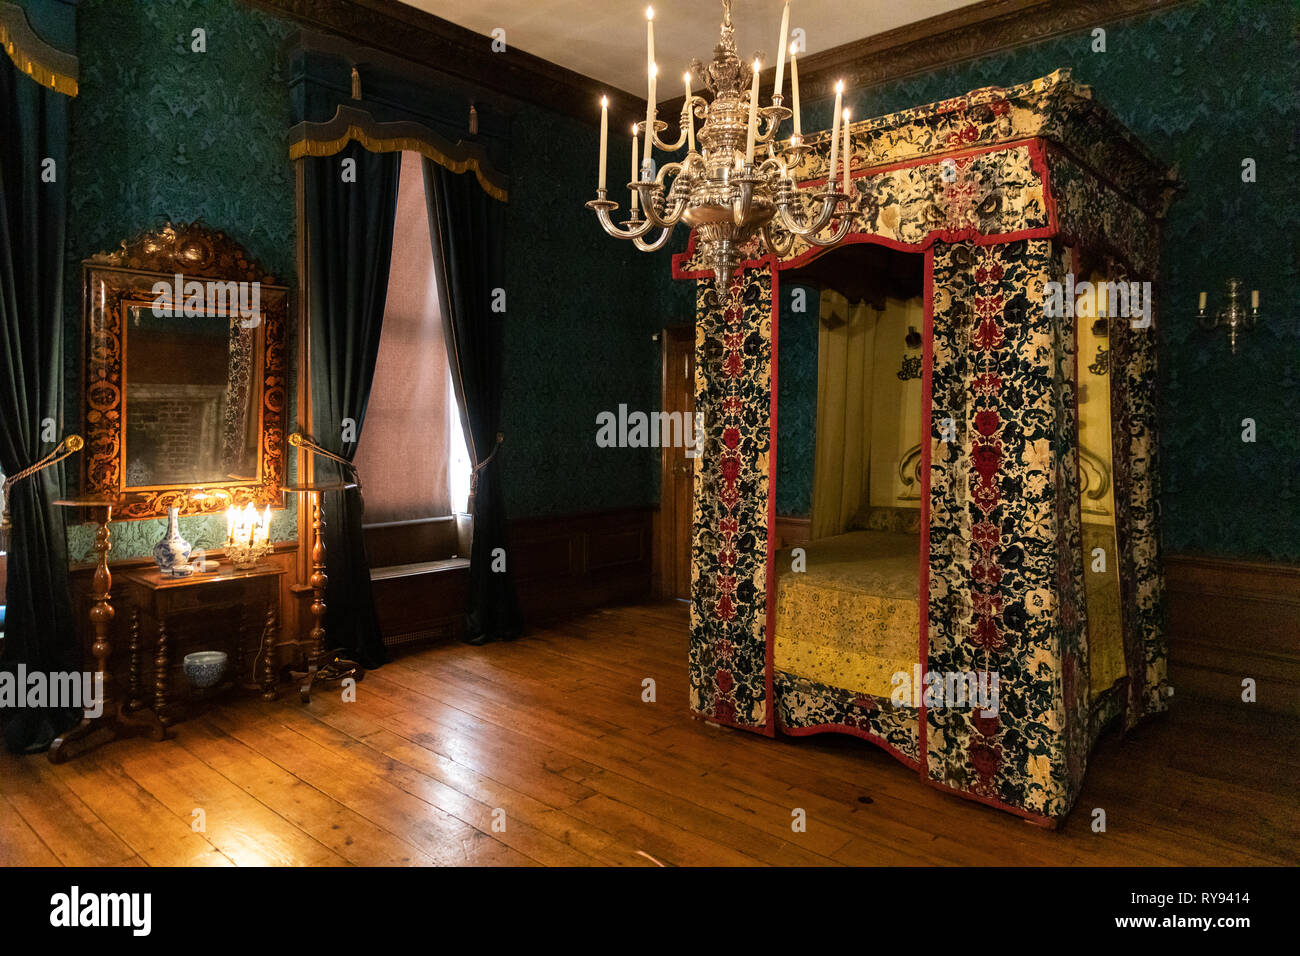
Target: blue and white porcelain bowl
{"x": 205, "y": 668}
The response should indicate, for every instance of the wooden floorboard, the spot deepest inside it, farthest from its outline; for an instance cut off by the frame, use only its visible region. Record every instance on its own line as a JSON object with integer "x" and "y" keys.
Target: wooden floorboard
{"x": 544, "y": 751}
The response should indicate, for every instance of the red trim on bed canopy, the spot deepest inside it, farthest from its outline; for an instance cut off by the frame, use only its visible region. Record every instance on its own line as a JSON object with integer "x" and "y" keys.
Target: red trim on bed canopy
{"x": 1037, "y": 159}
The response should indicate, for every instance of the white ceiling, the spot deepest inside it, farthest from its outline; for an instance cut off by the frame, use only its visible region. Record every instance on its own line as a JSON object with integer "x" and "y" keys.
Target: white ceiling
{"x": 606, "y": 39}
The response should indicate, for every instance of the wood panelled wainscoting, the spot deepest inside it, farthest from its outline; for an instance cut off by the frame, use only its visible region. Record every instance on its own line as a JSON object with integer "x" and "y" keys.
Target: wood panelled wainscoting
{"x": 563, "y": 566}
{"x": 1230, "y": 620}
{"x": 567, "y": 564}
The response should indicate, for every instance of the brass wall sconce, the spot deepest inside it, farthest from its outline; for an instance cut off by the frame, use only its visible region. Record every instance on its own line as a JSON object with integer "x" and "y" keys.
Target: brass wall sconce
{"x": 1234, "y": 316}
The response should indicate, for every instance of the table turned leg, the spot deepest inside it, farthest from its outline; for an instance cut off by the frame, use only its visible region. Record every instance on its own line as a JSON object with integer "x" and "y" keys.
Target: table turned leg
{"x": 161, "y": 664}
{"x": 135, "y": 690}
{"x": 270, "y": 689}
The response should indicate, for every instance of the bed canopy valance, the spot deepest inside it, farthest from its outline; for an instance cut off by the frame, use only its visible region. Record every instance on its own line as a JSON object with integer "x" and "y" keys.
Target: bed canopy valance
{"x": 1003, "y": 191}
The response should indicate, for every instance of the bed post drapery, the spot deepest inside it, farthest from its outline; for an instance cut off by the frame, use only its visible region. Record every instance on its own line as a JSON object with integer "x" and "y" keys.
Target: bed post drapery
{"x": 1005, "y": 566}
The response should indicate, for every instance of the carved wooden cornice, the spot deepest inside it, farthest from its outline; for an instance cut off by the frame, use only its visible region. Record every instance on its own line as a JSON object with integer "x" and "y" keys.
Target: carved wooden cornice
{"x": 964, "y": 34}
{"x": 432, "y": 42}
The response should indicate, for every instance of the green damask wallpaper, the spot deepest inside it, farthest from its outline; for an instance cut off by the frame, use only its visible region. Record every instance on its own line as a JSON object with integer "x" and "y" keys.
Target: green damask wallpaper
{"x": 796, "y": 381}
{"x": 159, "y": 132}
{"x": 1203, "y": 85}
{"x": 582, "y": 312}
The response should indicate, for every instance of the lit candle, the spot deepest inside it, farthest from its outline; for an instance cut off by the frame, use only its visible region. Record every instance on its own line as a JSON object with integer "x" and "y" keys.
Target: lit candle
{"x": 848, "y": 157}
{"x": 604, "y": 138}
{"x": 794, "y": 88}
{"x": 690, "y": 114}
{"x": 1254, "y": 298}
{"x": 780, "y": 54}
{"x": 835, "y": 133}
{"x": 266, "y": 525}
{"x": 753, "y": 118}
{"x": 230, "y": 525}
{"x": 635, "y": 175}
{"x": 650, "y": 116}
{"x": 1202, "y": 305}
{"x": 649, "y": 36}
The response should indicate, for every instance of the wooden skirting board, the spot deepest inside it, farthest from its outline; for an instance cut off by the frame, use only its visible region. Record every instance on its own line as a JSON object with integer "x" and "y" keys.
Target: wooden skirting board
{"x": 1231, "y": 620}
{"x": 791, "y": 531}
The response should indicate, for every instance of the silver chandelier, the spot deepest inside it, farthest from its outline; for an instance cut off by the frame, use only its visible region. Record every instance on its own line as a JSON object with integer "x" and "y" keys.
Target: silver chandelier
{"x": 719, "y": 190}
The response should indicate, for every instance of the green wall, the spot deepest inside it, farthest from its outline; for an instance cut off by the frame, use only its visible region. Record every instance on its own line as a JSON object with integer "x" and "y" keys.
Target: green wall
{"x": 158, "y": 133}
{"x": 1203, "y": 85}
{"x": 582, "y": 310}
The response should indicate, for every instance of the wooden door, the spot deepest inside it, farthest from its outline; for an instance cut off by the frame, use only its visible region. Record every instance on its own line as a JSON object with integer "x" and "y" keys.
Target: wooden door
{"x": 676, "y": 469}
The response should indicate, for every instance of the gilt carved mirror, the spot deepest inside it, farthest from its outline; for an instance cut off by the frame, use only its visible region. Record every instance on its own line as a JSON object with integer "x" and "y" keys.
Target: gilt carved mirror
{"x": 183, "y": 374}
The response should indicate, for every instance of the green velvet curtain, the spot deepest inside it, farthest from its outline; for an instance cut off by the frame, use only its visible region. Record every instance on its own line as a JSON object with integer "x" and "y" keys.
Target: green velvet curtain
{"x": 350, "y": 214}
{"x": 33, "y": 220}
{"x": 467, "y": 228}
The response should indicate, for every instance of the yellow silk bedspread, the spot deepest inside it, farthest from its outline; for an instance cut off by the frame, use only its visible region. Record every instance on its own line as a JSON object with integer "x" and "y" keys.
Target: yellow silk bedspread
{"x": 852, "y": 619}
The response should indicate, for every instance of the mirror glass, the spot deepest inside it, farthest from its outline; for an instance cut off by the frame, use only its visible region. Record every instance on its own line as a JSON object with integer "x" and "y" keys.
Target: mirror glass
{"x": 193, "y": 398}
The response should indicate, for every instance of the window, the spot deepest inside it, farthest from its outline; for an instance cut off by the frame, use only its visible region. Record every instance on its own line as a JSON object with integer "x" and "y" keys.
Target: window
{"x": 412, "y": 456}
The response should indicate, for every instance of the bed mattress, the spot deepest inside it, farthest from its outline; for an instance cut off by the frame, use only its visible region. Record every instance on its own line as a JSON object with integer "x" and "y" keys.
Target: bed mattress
{"x": 852, "y": 619}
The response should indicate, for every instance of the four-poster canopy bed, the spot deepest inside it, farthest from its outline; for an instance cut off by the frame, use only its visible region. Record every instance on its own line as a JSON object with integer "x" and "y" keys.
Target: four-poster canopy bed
{"x": 1003, "y": 191}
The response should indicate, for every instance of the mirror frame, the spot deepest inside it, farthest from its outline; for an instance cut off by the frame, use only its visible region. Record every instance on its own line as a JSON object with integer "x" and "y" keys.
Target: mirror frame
{"x": 110, "y": 283}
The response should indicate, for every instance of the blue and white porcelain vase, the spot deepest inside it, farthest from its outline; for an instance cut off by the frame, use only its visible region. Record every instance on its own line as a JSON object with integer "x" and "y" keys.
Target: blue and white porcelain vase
{"x": 173, "y": 551}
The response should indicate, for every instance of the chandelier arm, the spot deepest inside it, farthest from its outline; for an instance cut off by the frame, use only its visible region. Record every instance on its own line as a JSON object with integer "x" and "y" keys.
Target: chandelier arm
{"x": 679, "y": 195}
{"x": 681, "y": 137}
{"x": 603, "y": 208}
{"x": 778, "y": 249}
{"x": 842, "y": 230}
{"x": 816, "y": 224}
{"x": 657, "y": 244}
{"x": 670, "y": 218}
{"x": 744, "y": 198}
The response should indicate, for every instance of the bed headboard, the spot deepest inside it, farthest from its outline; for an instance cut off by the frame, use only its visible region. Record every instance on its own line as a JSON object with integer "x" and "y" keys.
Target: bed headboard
{"x": 897, "y": 520}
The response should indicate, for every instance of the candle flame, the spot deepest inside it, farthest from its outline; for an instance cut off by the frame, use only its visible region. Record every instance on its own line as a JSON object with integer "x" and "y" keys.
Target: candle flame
{"x": 654, "y": 69}
{"x": 686, "y": 77}
{"x": 794, "y": 47}
{"x": 846, "y": 116}
{"x": 756, "y": 64}
{"x": 649, "y": 13}
{"x": 839, "y": 86}
{"x": 604, "y": 102}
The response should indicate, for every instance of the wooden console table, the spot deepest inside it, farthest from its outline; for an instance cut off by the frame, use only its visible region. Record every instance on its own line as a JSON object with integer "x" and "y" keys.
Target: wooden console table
{"x": 161, "y": 600}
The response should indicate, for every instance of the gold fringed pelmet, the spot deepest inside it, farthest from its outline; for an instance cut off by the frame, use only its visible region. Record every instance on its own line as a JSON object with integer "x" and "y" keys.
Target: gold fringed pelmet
{"x": 45, "y": 64}
{"x": 350, "y": 123}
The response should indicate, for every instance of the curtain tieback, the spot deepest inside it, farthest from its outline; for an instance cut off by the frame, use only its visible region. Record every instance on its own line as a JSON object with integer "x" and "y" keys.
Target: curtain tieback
{"x": 473, "y": 480}
{"x": 69, "y": 446}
